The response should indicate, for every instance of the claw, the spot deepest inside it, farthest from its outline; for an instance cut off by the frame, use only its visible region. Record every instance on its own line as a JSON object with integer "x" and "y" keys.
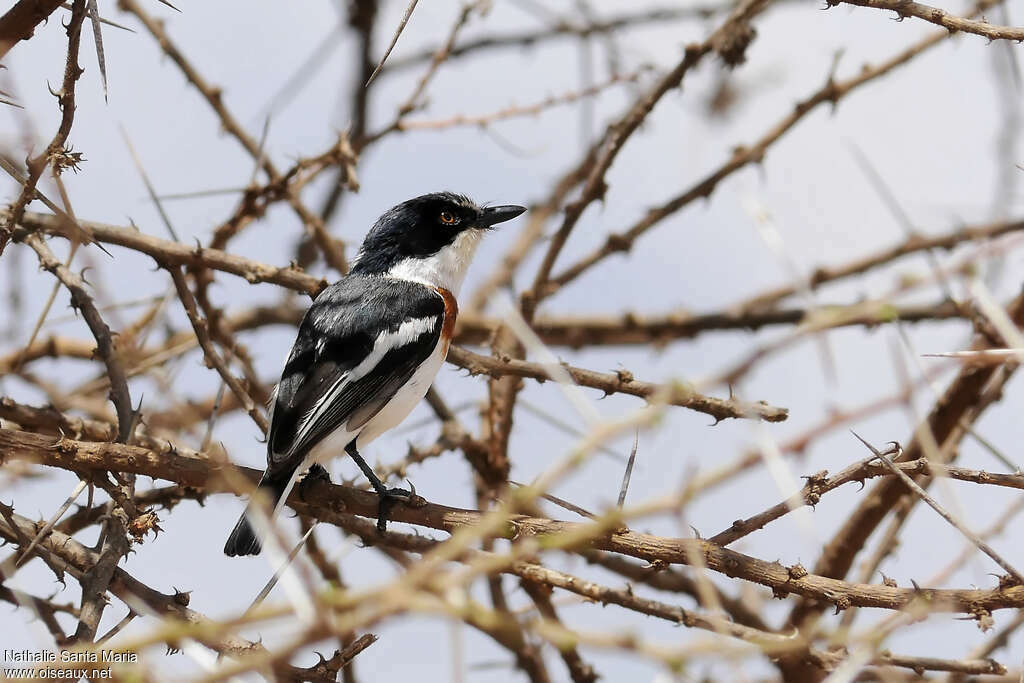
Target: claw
{"x": 317, "y": 472}
{"x": 387, "y": 500}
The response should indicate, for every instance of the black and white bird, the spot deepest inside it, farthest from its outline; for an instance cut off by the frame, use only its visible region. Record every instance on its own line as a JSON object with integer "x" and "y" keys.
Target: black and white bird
{"x": 370, "y": 345}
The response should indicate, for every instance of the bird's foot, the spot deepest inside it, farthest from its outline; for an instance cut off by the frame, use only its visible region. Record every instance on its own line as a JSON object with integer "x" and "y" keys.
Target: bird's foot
{"x": 316, "y": 473}
{"x": 391, "y": 497}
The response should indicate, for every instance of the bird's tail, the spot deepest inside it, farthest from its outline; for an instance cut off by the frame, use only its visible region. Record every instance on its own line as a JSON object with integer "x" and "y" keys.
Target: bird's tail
{"x": 243, "y": 539}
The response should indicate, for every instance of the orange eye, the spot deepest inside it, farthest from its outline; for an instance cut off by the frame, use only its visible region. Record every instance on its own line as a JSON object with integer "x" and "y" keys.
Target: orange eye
{"x": 448, "y": 219}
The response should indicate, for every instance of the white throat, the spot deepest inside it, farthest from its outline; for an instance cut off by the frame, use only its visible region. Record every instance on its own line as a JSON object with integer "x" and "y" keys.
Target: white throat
{"x": 445, "y": 269}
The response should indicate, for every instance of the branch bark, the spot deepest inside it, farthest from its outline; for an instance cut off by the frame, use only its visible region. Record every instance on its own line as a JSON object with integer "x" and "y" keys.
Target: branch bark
{"x": 327, "y": 501}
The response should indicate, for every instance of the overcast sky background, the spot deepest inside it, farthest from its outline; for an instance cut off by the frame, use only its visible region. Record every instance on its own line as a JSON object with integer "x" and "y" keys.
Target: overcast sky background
{"x": 932, "y": 129}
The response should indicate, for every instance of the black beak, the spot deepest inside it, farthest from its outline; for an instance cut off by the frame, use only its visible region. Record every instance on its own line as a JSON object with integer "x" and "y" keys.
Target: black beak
{"x": 499, "y": 214}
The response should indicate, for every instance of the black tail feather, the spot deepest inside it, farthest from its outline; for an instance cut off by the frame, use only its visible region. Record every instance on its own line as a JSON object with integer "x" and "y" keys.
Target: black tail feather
{"x": 243, "y": 540}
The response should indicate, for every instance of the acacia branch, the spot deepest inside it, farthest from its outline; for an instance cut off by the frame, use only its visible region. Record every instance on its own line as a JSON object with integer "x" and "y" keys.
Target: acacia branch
{"x": 167, "y": 252}
{"x": 594, "y": 185}
{"x": 81, "y": 300}
{"x": 333, "y": 250}
{"x": 82, "y": 562}
{"x": 820, "y": 483}
{"x": 621, "y": 382}
{"x": 963, "y": 402}
{"x": 832, "y": 92}
{"x": 632, "y": 329}
{"x": 201, "y": 328}
{"x": 54, "y": 154}
{"x": 563, "y": 30}
{"x": 912, "y": 245}
{"x": 939, "y": 17}
{"x": 19, "y": 22}
{"x": 325, "y": 501}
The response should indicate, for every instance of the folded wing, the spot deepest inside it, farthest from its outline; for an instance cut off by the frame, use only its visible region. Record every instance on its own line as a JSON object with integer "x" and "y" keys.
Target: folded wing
{"x": 360, "y": 341}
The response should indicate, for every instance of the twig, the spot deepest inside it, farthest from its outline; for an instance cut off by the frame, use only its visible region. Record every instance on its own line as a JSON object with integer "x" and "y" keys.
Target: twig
{"x": 969, "y": 394}
{"x": 406, "y": 15}
{"x": 55, "y": 152}
{"x": 921, "y": 493}
{"x": 621, "y": 382}
{"x": 332, "y": 250}
{"x": 175, "y": 253}
{"x": 79, "y": 487}
{"x": 96, "y": 581}
{"x": 202, "y": 334}
{"x": 81, "y": 300}
{"x": 579, "y": 670}
{"x": 912, "y": 245}
{"x": 547, "y": 103}
{"x": 831, "y": 92}
{"x": 629, "y": 469}
{"x": 631, "y": 329}
{"x": 333, "y": 503}
{"x": 939, "y": 17}
{"x": 820, "y": 483}
{"x": 565, "y": 29}
{"x": 19, "y": 22}
{"x": 594, "y": 185}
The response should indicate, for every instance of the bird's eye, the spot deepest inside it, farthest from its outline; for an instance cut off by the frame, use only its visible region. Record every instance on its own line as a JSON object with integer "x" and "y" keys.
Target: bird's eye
{"x": 448, "y": 219}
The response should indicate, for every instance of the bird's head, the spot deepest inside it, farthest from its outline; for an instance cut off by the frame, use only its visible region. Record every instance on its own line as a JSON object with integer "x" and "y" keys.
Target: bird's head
{"x": 429, "y": 239}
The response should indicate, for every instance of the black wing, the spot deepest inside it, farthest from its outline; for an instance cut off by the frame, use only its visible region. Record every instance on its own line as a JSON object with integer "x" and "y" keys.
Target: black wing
{"x": 359, "y": 342}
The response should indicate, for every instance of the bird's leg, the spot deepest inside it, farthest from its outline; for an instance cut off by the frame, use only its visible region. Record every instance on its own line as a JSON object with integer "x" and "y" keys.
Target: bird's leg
{"x": 387, "y": 497}
{"x": 316, "y": 472}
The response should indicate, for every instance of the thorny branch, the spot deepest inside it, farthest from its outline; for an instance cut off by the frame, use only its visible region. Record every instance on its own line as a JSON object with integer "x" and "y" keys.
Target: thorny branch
{"x": 329, "y": 502}
{"x": 55, "y": 155}
{"x": 951, "y": 22}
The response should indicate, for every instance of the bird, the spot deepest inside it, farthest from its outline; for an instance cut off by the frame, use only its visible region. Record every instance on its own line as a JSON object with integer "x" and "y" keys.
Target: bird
{"x": 369, "y": 347}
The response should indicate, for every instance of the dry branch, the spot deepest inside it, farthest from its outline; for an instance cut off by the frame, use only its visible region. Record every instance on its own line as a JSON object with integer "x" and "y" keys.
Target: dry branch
{"x": 175, "y": 253}
{"x": 621, "y": 382}
{"x": 973, "y": 390}
{"x": 940, "y": 17}
{"x": 55, "y": 154}
{"x": 579, "y": 332}
{"x": 832, "y": 92}
{"x": 332, "y": 250}
{"x": 201, "y": 328}
{"x": 82, "y": 561}
{"x": 19, "y": 22}
{"x": 326, "y": 501}
{"x": 81, "y": 300}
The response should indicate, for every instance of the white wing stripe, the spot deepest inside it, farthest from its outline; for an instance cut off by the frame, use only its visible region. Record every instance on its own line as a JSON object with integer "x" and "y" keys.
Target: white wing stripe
{"x": 407, "y": 332}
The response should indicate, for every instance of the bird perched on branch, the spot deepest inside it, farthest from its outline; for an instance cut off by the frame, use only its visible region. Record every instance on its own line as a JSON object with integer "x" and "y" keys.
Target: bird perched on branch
{"x": 370, "y": 345}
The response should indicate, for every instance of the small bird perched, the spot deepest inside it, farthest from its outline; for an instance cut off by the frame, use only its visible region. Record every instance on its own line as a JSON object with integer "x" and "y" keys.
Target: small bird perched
{"x": 370, "y": 345}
